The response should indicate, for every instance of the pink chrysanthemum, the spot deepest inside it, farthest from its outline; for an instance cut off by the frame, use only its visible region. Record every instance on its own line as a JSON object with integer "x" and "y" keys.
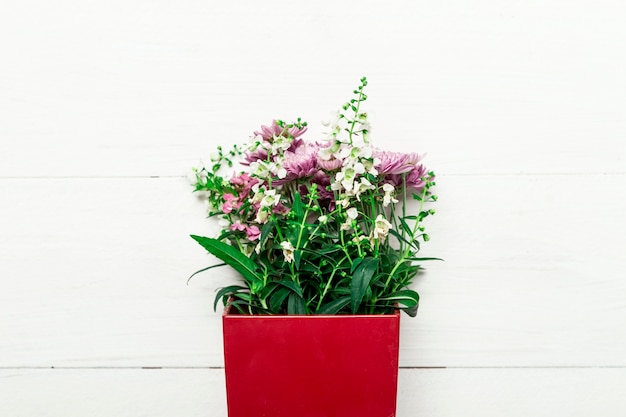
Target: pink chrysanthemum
{"x": 268, "y": 132}
{"x": 414, "y": 179}
{"x": 301, "y": 163}
{"x": 394, "y": 163}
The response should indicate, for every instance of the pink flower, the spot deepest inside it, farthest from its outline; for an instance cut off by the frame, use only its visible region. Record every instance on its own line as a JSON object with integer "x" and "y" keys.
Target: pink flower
{"x": 331, "y": 165}
{"x": 413, "y": 179}
{"x": 302, "y": 162}
{"x": 258, "y": 155}
{"x": 243, "y": 183}
{"x": 280, "y": 208}
{"x": 252, "y": 232}
{"x": 240, "y": 179}
{"x": 268, "y": 132}
{"x": 237, "y": 226}
{"x": 394, "y": 163}
{"x": 231, "y": 203}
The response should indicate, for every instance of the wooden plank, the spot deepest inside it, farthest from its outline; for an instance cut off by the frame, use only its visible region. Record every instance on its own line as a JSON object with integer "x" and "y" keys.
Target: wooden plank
{"x": 150, "y": 88}
{"x": 94, "y": 273}
{"x": 201, "y": 392}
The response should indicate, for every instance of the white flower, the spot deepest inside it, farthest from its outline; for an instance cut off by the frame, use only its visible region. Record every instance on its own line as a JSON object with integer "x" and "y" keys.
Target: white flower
{"x": 324, "y": 154}
{"x": 261, "y": 216}
{"x": 347, "y": 225}
{"x": 358, "y": 239}
{"x": 280, "y": 143}
{"x": 388, "y": 198}
{"x": 347, "y": 175}
{"x": 361, "y": 186}
{"x": 381, "y": 228}
{"x": 343, "y": 202}
{"x": 352, "y": 213}
{"x": 287, "y": 250}
{"x": 279, "y": 171}
{"x": 323, "y": 219}
{"x": 270, "y": 198}
{"x": 260, "y": 169}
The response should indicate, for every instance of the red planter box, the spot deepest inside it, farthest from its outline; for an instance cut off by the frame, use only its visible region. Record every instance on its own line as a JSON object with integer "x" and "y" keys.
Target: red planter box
{"x": 311, "y": 366}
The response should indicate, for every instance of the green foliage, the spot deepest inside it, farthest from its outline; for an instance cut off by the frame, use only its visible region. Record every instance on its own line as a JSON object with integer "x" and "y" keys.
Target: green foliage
{"x": 324, "y": 235}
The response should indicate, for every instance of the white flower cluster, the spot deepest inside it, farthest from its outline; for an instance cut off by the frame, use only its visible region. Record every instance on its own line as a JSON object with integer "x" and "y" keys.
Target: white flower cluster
{"x": 355, "y": 154}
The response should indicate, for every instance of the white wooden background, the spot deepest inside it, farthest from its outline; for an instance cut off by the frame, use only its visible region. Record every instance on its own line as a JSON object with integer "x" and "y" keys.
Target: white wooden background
{"x": 106, "y": 105}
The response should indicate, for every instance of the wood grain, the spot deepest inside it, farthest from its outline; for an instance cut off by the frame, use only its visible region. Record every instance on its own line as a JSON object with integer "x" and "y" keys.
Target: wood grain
{"x": 105, "y": 106}
{"x": 97, "y": 271}
{"x": 149, "y": 88}
{"x": 200, "y": 392}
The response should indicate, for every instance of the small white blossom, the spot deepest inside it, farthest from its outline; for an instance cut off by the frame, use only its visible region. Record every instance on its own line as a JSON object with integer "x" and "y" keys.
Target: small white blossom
{"x": 261, "y": 216}
{"x": 344, "y": 202}
{"x": 381, "y": 228}
{"x": 287, "y": 250}
{"x": 260, "y": 169}
{"x": 324, "y": 154}
{"x": 358, "y": 239}
{"x": 270, "y": 198}
{"x": 280, "y": 143}
{"x": 347, "y": 225}
{"x": 388, "y": 198}
{"x": 362, "y": 186}
{"x": 352, "y": 213}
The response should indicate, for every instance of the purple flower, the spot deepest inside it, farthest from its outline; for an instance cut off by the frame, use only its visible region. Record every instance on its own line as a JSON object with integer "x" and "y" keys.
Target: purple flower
{"x": 268, "y": 132}
{"x": 252, "y": 232}
{"x": 230, "y": 203}
{"x": 394, "y": 163}
{"x": 280, "y": 208}
{"x": 302, "y": 162}
{"x": 259, "y": 154}
{"x": 414, "y": 179}
{"x": 243, "y": 184}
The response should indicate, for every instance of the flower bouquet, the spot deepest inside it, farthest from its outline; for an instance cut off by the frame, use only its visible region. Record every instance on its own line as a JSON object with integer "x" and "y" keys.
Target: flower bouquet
{"x": 322, "y": 234}
{"x": 318, "y": 227}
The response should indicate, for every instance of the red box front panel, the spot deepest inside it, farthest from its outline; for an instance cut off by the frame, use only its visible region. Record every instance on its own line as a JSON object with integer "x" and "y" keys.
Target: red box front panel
{"x": 311, "y": 366}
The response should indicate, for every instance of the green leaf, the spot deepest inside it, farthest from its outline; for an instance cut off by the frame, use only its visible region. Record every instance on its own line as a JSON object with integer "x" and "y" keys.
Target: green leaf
{"x": 297, "y": 208}
{"x": 226, "y": 291}
{"x": 329, "y": 249}
{"x": 202, "y": 270}
{"x": 355, "y": 264}
{"x": 292, "y": 286}
{"x": 334, "y": 306}
{"x": 405, "y": 226}
{"x": 231, "y": 256}
{"x": 297, "y": 255}
{"x": 265, "y": 232}
{"x": 408, "y": 298}
{"x": 361, "y": 277}
{"x": 277, "y": 299}
{"x": 295, "y": 304}
{"x": 399, "y": 236}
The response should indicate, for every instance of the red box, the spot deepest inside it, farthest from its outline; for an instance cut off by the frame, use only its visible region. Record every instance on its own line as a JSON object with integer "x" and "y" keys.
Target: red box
{"x": 311, "y": 366}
